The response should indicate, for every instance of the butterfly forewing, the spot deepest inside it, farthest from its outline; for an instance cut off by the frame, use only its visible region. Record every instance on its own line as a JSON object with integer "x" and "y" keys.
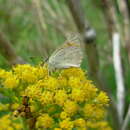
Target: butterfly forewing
{"x": 68, "y": 55}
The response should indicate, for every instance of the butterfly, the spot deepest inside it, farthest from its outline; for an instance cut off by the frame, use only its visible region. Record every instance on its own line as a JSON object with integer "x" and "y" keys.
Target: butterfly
{"x": 68, "y": 55}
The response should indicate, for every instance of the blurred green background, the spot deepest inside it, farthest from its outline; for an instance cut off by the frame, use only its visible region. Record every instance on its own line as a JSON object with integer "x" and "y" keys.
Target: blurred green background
{"x": 36, "y": 28}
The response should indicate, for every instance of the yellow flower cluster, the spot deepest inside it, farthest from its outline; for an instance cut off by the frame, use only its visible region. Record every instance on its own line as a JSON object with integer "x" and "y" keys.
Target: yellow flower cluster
{"x": 62, "y": 99}
{"x": 7, "y": 123}
{"x": 101, "y": 125}
{"x": 4, "y": 107}
{"x": 30, "y": 74}
{"x": 44, "y": 121}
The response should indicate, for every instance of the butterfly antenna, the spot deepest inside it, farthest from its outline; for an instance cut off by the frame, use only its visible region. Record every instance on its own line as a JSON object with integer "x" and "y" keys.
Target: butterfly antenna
{"x": 45, "y": 61}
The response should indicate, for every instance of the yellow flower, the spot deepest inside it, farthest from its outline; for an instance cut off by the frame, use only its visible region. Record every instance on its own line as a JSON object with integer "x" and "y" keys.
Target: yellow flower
{"x": 78, "y": 95}
{"x": 28, "y": 76}
{"x": 17, "y": 126}
{"x": 41, "y": 72}
{"x": 62, "y": 81}
{"x": 44, "y": 121}
{"x": 51, "y": 83}
{"x": 11, "y": 82}
{"x": 7, "y": 123}
{"x": 28, "y": 73}
{"x": 73, "y": 72}
{"x": 102, "y": 98}
{"x": 46, "y": 97}
{"x": 5, "y": 74}
{"x": 70, "y": 107}
{"x": 90, "y": 90}
{"x": 14, "y": 106}
{"x": 33, "y": 92}
{"x": 93, "y": 111}
{"x": 2, "y": 73}
{"x": 57, "y": 129}
{"x": 91, "y": 124}
{"x": 75, "y": 82}
{"x": 63, "y": 115}
{"x": 4, "y": 107}
{"x": 60, "y": 97}
{"x": 33, "y": 108}
{"x": 82, "y": 128}
{"x": 101, "y": 125}
{"x": 66, "y": 124}
{"x": 80, "y": 123}
{"x": 40, "y": 83}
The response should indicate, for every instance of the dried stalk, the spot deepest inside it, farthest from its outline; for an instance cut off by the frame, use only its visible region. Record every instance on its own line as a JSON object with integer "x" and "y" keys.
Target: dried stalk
{"x": 49, "y": 9}
{"x": 126, "y": 24}
{"x": 8, "y": 52}
{"x": 40, "y": 22}
{"x": 40, "y": 13}
{"x": 126, "y": 120}
{"x": 118, "y": 75}
{"x": 110, "y": 17}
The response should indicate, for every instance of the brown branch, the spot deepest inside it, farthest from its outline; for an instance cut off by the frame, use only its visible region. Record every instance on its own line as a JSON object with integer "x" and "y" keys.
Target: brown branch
{"x": 110, "y": 16}
{"x": 8, "y": 52}
{"x": 83, "y": 27}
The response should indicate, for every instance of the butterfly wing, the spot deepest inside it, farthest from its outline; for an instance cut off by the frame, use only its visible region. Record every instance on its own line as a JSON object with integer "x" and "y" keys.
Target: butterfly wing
{"x": 68, "y": 55}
